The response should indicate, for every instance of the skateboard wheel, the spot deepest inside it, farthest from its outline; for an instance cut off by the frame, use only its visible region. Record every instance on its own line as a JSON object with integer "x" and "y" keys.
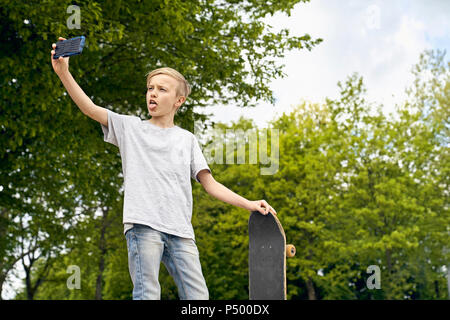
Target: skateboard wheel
{"x": 290, "y": 250}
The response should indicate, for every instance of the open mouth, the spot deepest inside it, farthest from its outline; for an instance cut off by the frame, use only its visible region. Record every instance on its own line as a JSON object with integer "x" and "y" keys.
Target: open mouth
{"x": 152, "y": 104}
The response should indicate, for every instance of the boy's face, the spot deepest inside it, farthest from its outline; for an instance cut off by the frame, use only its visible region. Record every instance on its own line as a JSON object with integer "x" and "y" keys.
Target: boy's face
{"x": 162, "y": 96}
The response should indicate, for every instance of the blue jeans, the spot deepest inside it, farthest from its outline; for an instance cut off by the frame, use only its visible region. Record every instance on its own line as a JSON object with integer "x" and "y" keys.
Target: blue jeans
{"x": 147, "y": 247}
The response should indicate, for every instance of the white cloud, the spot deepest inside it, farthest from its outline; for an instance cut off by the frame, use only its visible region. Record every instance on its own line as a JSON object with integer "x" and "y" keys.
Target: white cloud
{"x": 381, "y": 40}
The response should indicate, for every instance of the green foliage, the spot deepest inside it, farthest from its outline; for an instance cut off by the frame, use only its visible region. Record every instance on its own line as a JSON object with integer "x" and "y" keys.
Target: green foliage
{"x": 56, "y": 172}
{"x": 354, "y": 187}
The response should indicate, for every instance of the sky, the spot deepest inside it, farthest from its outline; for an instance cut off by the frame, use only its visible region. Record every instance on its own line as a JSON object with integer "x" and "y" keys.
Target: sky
{"x": 380, "y": 40}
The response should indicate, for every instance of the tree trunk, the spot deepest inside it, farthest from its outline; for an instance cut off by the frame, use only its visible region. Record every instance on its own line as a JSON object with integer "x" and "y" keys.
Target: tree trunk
{"x": 32, "y": 289}
{"x": 29, "y": 287}
{"x": 436, "y": 288}
{"x": 101, "y": 263}
{"x": 389, "y": 260}
{"x": 311, "y": 290}
{"x": 448, "y": 280}
{"x": 2, "y": 281}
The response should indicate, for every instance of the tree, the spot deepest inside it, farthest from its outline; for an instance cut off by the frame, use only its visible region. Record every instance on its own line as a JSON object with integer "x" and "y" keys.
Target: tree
{"x": 50, "y": 152}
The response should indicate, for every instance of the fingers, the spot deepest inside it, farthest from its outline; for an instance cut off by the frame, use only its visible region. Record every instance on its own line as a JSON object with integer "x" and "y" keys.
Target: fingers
{"x": 54, "y": 48}
{"x": 266, "y": 208}
{"x": 271, "y": 210}
{"x": 53, "y": 51}
{"x": 54, "y": 44}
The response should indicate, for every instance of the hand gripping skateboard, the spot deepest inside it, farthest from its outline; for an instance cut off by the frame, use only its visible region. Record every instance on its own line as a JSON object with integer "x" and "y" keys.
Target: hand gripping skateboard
{"x": 267, "y": 257}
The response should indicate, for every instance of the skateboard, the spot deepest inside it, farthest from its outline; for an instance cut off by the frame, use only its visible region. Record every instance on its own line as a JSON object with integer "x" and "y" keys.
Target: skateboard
{"x": 267, "y": 257}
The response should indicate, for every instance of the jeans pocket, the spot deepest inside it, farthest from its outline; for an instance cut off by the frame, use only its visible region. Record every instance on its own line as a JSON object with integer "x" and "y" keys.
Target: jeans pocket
{"x": 188, "y": 246}
{"x": 128, "y": 235}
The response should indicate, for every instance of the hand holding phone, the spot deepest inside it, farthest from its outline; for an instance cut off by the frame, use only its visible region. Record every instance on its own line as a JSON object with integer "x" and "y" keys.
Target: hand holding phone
{"x": 67, "y": 48}
{"x": 62, "y": 50}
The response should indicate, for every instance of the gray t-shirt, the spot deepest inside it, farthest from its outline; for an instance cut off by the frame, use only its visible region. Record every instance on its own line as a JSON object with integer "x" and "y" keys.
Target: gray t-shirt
{"x": 157, "y": 165}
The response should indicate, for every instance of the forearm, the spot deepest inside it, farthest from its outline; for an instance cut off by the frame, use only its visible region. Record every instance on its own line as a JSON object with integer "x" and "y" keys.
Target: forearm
{"x": 224, "y": 194}
{"x": 76, "y": 93}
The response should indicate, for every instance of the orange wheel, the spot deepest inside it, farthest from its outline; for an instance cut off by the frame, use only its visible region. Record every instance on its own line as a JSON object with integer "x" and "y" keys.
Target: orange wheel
{"x": 290, "y": 250}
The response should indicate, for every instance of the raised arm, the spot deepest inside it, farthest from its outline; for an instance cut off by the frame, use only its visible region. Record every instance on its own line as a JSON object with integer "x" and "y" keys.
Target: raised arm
{"x": 61, "y": 68}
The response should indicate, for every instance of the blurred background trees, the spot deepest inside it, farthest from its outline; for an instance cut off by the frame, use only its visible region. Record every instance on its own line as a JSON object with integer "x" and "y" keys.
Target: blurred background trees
{"x": 354, "y": 187}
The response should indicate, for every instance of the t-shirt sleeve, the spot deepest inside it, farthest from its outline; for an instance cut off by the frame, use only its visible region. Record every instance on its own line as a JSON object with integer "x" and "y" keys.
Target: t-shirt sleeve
{"x": 115, "y": 130}
{"x": 198, "y": 161}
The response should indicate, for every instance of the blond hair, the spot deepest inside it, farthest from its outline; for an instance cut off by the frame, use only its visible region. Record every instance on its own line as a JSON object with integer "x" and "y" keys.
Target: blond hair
{"x": 183, "y": 89}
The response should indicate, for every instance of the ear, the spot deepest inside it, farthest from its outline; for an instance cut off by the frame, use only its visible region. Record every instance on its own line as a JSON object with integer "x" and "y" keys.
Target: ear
{"x": 180, "y": 101}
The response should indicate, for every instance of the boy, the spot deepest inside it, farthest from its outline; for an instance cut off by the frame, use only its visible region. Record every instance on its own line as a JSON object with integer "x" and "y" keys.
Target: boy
{"x": 158, "y": 161}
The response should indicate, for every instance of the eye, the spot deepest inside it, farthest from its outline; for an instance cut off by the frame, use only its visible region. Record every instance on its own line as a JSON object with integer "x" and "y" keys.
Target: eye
{"x": 163, "y": 89}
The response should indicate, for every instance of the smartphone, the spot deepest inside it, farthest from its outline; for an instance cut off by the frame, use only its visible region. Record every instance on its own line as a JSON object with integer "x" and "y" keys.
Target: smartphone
{"x": 69, "y": 47}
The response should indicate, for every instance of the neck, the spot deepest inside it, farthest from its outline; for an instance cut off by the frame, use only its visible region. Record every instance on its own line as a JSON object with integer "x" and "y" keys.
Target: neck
{"x": 162, "y": 122}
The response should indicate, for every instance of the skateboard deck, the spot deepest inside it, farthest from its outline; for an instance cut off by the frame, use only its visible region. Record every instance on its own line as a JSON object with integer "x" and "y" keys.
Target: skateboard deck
{"x": 267, "y": 257}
